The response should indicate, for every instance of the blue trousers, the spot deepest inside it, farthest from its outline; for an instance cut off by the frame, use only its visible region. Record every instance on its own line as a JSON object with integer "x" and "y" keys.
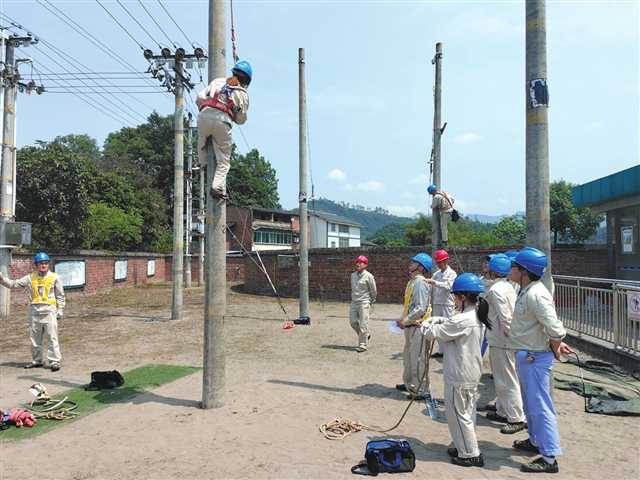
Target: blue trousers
{"x": 535, "y": 384}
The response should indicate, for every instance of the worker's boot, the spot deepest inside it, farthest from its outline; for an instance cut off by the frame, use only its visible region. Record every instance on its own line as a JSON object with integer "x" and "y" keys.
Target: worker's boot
{"x": 33, "y": 365}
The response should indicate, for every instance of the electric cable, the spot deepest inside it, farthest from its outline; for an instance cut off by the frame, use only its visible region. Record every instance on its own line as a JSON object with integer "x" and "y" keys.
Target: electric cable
{"x": 157, "y": 24}
{"x": 139, "y": 24}
{"x": 176, "y": 24}
{"x": 120, "y": 25}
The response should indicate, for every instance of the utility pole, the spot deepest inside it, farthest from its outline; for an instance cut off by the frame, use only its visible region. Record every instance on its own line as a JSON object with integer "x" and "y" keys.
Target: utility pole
{"x": 215, "y": 292}
{"x": 436, "y": 234}
{"x": 11, "y": 82}
{"x": 189, "y": 205}
{"x": 178, "y": 196}
{"x": 537, "y": 133}
{"x": 201, "y": 220}
{"x": 304, "y": 318}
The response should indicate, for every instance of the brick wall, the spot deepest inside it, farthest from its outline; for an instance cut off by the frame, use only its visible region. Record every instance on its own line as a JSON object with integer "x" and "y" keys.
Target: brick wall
{"x": 100, "y": 270}
{"x": 330, "y": 268}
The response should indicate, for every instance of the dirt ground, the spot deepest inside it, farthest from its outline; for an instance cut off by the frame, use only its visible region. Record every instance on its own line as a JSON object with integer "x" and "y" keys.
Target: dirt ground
{"x": 280, "y": 387}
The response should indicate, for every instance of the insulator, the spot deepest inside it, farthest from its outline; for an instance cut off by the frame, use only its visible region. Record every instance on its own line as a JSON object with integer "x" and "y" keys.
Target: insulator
{"x": 148, "y": 54}
{"x": 165, "y": 52}
{"x": 180, "y": 53}
{"x": 198, "y": 52}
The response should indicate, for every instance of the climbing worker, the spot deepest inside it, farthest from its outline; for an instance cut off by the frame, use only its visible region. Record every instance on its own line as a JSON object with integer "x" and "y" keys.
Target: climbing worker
{"x": 363, "y": 295}
{"x": 224, "y": 101}
{"x": 536, "y": 335}
{"x": 501, "y": 298}
{"x": 442, "y": 204}
{"x": 442, "y": 299}
{"x": 46, "y": 296}
{"x": 462, "y": 365}
{"x": 415, "y": 310}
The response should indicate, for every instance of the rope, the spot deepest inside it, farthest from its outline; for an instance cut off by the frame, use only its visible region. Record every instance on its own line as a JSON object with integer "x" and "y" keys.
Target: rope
{"x": 234, "y": 48}
{"x": 52, "y": 408}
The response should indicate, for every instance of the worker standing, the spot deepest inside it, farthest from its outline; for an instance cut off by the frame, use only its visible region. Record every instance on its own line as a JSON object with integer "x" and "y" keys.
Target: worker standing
{"x": 415, "y": 310}
{"x": 536, "y": 334}
{"x": 46, "y": 297}
{"x": 442, "y": 204}
{"x": 462, "y": 365}
{"x": 363, "y": 295}
{"x": 442, "y": 298}
{"x": 223, "y": 102}
{"x": 501, "y": 298}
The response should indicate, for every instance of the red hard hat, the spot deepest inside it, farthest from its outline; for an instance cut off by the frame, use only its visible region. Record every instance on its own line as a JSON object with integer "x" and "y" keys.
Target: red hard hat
{"x": 441, "y": 255}
{"x": 362, "y": 259}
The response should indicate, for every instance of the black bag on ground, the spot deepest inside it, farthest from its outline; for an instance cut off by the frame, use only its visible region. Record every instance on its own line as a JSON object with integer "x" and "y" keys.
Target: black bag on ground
{"x": 105, "y": 380}
{"x": 455, "y": 216}
{"x": 386, "y": 456}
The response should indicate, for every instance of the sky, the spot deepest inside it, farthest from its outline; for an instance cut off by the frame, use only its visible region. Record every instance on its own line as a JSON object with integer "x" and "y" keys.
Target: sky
{"x": 370, "y": 90}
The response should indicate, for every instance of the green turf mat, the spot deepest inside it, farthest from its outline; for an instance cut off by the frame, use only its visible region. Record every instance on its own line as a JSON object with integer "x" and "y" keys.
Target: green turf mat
{"x": 137, "y": 381}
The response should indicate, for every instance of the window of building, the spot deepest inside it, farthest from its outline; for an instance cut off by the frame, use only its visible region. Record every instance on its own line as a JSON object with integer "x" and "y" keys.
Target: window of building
{"x": 333, "y": 244}
{"x": 344, "y": 243}
{"x": 272, "y": 237}
{"x": 344, "y": 228}
{"x": 333, "y": 227}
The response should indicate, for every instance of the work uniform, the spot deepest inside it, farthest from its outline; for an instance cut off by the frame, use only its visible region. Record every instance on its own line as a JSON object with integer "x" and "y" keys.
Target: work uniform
{"x": 460, "y": 337}
{"x": 363, "y": 294}
{"x": 46, "y": 297}
{"x": 443, "y": 203}
{"x": 501, "y": 298}
{"x": 534, "y": 323}
{"x": 442, "y": 298}
{"x": 220, "y": 104}
{"x": 415, "y": 310}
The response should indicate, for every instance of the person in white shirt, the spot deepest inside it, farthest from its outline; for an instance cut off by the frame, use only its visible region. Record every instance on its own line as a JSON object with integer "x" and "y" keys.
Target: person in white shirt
{"x": 441, "y": 282}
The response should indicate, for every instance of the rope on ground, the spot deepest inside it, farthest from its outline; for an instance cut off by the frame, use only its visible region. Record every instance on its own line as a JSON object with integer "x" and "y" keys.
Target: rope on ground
{"x": 52, "y": 408}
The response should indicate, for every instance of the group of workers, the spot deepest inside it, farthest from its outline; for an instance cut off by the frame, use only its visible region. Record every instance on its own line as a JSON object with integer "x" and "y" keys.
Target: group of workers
{"x": 507, "y": 307}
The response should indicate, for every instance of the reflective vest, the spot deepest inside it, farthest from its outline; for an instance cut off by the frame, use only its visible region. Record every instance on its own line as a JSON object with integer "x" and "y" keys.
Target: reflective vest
{"x": 42, "y": 289}
{"x": 221, "y": 100}
{"x": 408, "y": 292}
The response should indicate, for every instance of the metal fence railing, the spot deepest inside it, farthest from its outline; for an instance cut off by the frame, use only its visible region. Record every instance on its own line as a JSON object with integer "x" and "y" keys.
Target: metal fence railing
{"x": 602, "y": 308}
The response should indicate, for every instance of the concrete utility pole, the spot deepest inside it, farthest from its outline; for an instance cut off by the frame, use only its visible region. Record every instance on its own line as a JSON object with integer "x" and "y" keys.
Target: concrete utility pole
{"x": 302, "y": 196}
{"x": 537, "y": 133}
{"x": 215, "y": 299}
{"x": 436, "y": 239}
{"x": 189, "y": 205}
{"x": 178, "y": 196}
{"x": 201, "y": 218}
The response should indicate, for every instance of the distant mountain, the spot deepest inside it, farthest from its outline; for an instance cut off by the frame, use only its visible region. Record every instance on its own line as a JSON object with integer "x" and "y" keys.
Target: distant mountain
{"x": 476, "y": 217}
{"x": 371, "y": 219}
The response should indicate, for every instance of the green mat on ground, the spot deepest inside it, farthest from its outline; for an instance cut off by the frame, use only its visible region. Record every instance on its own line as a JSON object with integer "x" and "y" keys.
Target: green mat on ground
{"x": 137, "y": 381}
{"x": 608, "y": 390}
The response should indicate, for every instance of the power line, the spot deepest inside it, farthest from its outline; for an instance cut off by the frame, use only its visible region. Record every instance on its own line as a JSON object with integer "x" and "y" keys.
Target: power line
{"x": 120, "y": 25}
{"x": 139, "y": 24}
{"x": 175, "y": 23}
{"x": 157, "y": 24}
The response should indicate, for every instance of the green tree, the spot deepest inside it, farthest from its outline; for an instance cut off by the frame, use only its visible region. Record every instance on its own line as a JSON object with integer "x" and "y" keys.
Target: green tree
{"x": 111, "y": 228}
{"x": 511, "y": 230}
{"x": 53, "y": 194}
{"x": 419, "y": 232}
{"x": 252, "y": 180}
{"x": 568, "y": 222}
{"x": 392, "y": 234}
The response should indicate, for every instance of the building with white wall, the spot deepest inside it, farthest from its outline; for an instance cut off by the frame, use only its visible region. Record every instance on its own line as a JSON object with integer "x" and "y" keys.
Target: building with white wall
{"x": 332, "y": 231}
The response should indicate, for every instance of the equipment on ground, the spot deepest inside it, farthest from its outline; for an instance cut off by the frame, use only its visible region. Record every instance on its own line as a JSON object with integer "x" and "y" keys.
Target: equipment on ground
{"x": 386, "y": 456}
{"x": 532, "y": 260}
{"x": 441, "y": 256}
{"x": 467, "y": 283}
{"x": 105, "y": 380}
{"x": 423, "y": 259}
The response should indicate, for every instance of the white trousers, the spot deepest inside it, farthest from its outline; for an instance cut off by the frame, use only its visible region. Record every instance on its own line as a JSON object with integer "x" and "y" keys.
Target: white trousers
{"x": 39, "y": 327}
{"x": 460, "y": 402}
{"x": 416, "y": 347}
{"x": 505, "y": 379}
{"x": 216, "y": 124}
{"x": 359, "y": 320}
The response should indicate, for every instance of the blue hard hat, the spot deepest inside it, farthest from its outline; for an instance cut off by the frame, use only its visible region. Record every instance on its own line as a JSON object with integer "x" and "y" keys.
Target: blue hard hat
{"x": 511, "y": 254}
{"x": 244, "y": 67}
{"x": 532, "y": 260}
{"x": 423, "y": 259}
{"x": 432, "y": 189}
{"x": 467, "y": 283}
{"x": 41, "y": 257}
{"x": 500, "y": 264}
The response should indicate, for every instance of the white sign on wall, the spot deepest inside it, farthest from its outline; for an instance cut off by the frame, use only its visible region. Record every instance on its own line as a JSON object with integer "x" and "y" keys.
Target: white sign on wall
{"x": 626, "y": 234}
{"x": 633, "y": 305}
{"x": 71, "y": 272}
{"x": 120, "y": 270}
{"x": 151, "y": 268}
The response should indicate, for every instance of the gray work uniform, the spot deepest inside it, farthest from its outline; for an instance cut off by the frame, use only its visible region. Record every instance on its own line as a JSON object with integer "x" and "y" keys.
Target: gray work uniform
{"x": 442, "y": 298}
{"x": 443, "y": 203}
{"x": 363, "y": 294}
{"x": 45, "y": 308}
{"x": 460, "y": 338}
{"x": 501, "y": 298}
{"x": 415, "y": 309}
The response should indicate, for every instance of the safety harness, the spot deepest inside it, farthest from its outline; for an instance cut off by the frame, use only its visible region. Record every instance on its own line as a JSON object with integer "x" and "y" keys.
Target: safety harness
{"x": 222, "y": 101}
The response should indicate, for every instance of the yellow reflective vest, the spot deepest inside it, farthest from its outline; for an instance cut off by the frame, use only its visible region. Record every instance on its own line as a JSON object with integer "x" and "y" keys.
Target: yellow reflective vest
{"x": 42, "y": 288}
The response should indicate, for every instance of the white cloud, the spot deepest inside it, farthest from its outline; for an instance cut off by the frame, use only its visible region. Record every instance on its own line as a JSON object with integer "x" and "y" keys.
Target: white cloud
{"x": 337, "y": 174}
{"x": 371, "y": 186}
{"x": 468, "y": 137}
{"x": 421, "y": 179}
{"x": 403, "y": 210}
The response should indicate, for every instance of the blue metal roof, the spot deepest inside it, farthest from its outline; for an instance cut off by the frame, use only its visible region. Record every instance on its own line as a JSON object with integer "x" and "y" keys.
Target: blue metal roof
{"x": 606, "y": 189}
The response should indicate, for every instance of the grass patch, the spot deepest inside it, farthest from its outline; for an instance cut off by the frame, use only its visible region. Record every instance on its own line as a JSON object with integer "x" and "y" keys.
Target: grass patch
{"x": 136, "y": 382}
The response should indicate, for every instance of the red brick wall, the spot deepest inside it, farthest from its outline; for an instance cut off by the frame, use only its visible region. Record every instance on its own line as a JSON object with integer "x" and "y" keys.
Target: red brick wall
{"x": 329, "y": 269}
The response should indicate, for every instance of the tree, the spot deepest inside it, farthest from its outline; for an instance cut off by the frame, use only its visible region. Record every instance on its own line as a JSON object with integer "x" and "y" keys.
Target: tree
{"x": 568, "y": 222}
{"x": 392, "y": 234}
{"x": 111, "y": 228}
{"x": 419, "y": 232}
{"x": 252, "y": 180}
{"x": 511, "y": 230}
{"x": 53, "y": 194}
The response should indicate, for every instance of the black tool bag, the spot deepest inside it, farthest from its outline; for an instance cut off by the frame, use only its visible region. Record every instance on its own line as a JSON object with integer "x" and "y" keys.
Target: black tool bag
{"x": 455, "y": 215}
{"x": 386, "y": 456}
{"x": 105, "y": 380}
